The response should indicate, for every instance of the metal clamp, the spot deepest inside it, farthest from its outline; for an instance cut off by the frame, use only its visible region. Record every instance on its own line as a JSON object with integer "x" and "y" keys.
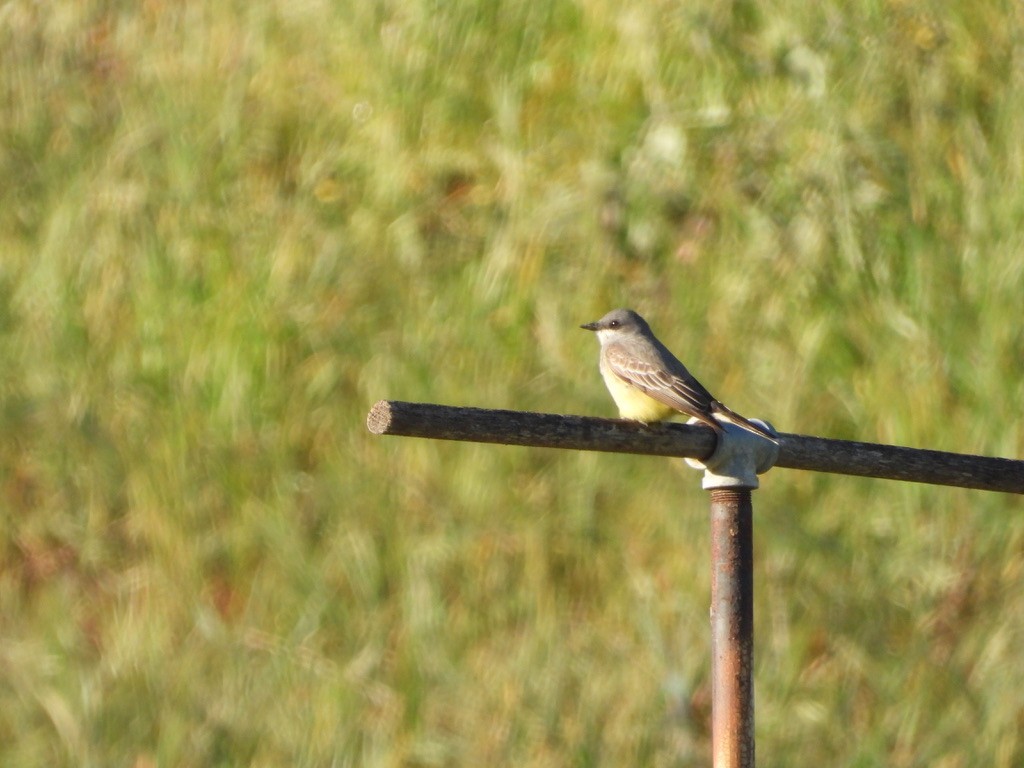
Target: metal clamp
{"x": 739, "y": 457}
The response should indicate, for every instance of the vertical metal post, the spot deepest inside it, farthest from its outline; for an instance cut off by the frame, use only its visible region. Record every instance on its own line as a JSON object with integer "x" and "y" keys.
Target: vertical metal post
{"x": 732, "y": 628}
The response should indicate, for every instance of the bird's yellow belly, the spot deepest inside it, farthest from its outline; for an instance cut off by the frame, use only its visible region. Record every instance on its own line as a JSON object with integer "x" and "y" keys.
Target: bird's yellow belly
{"x": 634, "y": 404}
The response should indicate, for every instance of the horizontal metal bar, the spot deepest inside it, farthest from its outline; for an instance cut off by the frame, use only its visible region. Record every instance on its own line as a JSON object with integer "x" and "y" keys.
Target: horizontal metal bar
{"x": 819, "y": 454}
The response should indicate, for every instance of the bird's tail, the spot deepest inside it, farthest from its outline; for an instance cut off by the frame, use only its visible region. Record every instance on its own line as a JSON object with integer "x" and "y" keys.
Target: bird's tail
{"x": 727, "y": 414}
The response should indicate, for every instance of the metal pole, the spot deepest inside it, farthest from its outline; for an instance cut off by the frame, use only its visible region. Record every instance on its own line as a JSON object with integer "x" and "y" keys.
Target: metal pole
{"x": 548, "y": 430}
{"x": 732, "y": 628}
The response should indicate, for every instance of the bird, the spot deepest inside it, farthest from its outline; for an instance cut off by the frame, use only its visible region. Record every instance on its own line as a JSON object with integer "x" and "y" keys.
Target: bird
{"x": 648, "y": 383}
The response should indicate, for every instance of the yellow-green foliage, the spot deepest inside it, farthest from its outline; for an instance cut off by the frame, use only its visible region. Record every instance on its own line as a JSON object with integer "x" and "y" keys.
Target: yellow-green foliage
{"x": 228, "y": 228}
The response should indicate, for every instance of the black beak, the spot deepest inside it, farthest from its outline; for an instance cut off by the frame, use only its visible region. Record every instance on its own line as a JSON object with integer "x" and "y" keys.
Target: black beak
{"x": 591, "y": 326}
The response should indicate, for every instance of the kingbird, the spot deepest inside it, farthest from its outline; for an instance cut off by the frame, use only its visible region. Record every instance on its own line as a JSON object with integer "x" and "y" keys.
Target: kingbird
{"x": 648, "y": 383}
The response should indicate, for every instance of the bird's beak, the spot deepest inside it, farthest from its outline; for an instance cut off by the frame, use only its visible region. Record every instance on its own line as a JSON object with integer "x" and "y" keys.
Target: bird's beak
{"x": 590, "y": 326}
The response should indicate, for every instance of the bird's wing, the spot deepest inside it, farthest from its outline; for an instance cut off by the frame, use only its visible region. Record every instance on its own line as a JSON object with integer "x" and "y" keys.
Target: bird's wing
{"x": 685, "y": 394}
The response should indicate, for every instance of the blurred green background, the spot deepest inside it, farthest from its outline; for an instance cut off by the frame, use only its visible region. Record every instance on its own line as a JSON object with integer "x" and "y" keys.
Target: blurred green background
{"x": 227, "y": 229}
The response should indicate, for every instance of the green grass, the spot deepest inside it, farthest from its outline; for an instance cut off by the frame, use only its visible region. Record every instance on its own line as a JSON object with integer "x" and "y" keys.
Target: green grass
{"x": 227, "y": 229}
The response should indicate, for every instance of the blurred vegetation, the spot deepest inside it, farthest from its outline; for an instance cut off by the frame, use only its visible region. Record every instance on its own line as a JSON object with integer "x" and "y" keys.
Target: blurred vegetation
{"x": 227, "y": 229}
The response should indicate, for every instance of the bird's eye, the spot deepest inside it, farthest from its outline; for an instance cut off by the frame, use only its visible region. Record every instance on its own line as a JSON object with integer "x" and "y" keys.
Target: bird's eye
{"x": 613, "y": 324}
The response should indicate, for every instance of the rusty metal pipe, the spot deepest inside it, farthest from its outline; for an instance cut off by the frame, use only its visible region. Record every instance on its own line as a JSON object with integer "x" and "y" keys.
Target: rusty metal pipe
{"x": 732, "y": 628}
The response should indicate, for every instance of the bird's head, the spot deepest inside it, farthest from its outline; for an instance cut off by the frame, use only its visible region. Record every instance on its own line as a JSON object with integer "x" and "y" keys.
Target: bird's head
{"x": 618, "y": 321}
